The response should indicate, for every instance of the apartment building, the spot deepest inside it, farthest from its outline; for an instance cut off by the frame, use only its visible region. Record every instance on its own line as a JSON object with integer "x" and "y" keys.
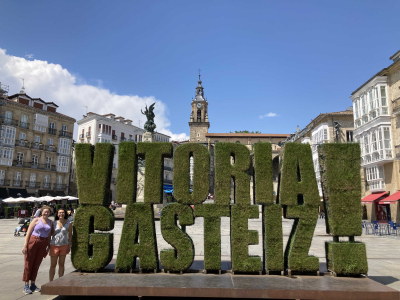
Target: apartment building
{"x": 95, "y": 128}
{"x": 334, "y": 127}
{"x": 35, "y": 147}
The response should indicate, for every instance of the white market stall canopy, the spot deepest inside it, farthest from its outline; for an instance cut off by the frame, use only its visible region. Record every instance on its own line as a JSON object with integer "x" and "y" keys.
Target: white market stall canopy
{"x": 39, "y": 199}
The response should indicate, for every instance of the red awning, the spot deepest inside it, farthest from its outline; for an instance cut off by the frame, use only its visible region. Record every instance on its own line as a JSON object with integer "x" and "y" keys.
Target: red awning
{"x": 391, "y": 199}
{"x": 373, "y": 197}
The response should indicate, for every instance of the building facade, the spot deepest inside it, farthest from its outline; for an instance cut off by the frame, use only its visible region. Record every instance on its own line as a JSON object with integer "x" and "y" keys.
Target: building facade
{"x": 35, "y": 151}
{"x": 95, "y": 128}
{"x": 199, "y": 123}
{"x": 335, "y": 127}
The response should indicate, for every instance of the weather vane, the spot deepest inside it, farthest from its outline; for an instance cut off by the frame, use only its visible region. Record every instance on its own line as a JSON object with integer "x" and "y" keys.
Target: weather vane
{"x": 199, "y": 73}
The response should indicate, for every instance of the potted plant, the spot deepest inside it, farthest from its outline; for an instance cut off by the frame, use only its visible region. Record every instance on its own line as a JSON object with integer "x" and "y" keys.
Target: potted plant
{"x": 16, "y": 210}
{"x": 8, "y": 212}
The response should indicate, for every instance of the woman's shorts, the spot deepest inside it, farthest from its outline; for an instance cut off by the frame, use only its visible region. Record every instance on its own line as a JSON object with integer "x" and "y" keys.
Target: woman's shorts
{"x": 58, "y": 250}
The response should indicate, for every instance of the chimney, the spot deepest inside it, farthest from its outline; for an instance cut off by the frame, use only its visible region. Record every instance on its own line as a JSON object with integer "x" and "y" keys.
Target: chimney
{"x": 298, "y": 128}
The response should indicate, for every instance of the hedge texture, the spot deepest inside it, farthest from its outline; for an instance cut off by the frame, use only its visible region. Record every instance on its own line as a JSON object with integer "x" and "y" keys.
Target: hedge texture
{"x": 263, "y": 173}
{"x": 346, "y": 258}
{"x": 92, "y": 251}
{"x": 224, "y": 171}
{"x": 138, "y": 225}
{"x": 341, "y": 185}
{"x": 93, "y": 171}
{"x": 201, "y": 170}
{"x": 241, "y": 238}
{"x": 273, "y": 237}
{"x": 154, "y": 154}
{"x": 298, "y": 193}
{"x": 181, "y": 257}
{"x": 127, "y": 173}
{"x": 212, "y": 214}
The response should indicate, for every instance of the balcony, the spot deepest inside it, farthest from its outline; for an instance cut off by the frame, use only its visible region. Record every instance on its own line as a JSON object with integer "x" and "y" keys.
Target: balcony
{"x": 59, "y": 186}
{"x": 50, "y": 148}
{"x": 32, "y": 184}
{"x": 40, "y": 128}
{"x": 377, "y": 157}
{"x": 17, "y": 183}
{"x": 52, "y": 131}
{"x": 24, "y": 125}
{"x": 65, "y": 134}
{"x": 167, "y": 168}
{"x": 8, "y": 121}
{"x": 47, "y": 185}
{"x": 82, "y": 136}
{"x": 37, "y": 146}
{"x": 114, "y": 137}
{"x": 167, "y": 181}
{"x": 62, "y": 169}
{"x": 5, "y": 182}
{"x": 377, "y": 185}
{"x": 22, "y": 143}
{"x": 32, "y": 165}
{"x": 122, "y": 139}
{"x": 88, "y": 134}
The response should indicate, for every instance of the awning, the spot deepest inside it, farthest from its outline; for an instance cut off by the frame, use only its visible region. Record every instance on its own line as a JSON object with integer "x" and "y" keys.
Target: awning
{"x": 3, "y": 193}
{"x": 373, "y": 197}
{"x": 391, "y": 199}
{"x": 14, "y": 193}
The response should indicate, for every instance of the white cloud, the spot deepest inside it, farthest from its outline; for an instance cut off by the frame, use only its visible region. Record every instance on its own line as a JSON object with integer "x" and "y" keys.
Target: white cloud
{"x": 51, "y": 82}
{"x": 29, "y": 56}
{"x": 268, "y": 115}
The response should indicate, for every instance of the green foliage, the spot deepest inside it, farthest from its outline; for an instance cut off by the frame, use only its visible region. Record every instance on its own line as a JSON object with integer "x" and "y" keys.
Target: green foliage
{"x": 127, "y": 173}
{"x": 8, "y": 210}
{"x": 298, "y": 192}
{"x": 263, "y": 173}
{"x": 29, "y": 209}
{"x": 181, "y": 257}
{"x": 346, "y": 258}
{"x": 92, "y": 251}
{"x": 58, "y": 206}
{"x": 298, "y": 176}
{"x": 17, "y": 208}
{"x": 224, "y": 171}
{"x": 273, "y": 237}
{"x": 241, "y": 237}
{"x": 74, "y": 205}
{"x": 138, "y": 224}
{"x": 93, "y": 171}
{"x": 154, "y": 154}
{"x": 341, "y": 184}
{"x": 212, "y": 214}
{"x": 201, "y": 169}
{"x": 296, "y": 253}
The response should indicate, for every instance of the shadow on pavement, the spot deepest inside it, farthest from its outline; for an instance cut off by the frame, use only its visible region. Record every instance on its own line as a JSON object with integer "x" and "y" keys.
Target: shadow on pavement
{"x": 384, "y": 279}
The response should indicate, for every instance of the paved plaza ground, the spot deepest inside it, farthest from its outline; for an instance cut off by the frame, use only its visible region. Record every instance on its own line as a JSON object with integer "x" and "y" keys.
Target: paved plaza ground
{"x": 382, "y": 252}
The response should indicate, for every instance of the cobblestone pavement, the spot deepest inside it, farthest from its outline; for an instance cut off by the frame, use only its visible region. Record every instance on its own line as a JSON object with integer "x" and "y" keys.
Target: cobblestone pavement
{"x": 383, "y": 254}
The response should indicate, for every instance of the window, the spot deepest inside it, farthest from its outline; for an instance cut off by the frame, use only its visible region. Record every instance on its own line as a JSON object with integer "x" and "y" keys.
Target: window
{"x": 59, "y": 182}
{"x": 17, "y": 179}
{"x": 373, "y": 141}
{"x": 24, "y": 121}
{"x": 8, "y": 118}
{"x": 52, "y": 125}
{"x": 37, "y": 139}
{"x": 2, "y": 176}
{"x": 64, "y": 128}
{"x": 64, "y": 146}
{"x": 22, "y": 136}
{"x": 366, "y": 146}
{"x": 32, "y": 180}
{"x": 8, "y": 135}
{"x": 6, "y": 156}
{"x": 62, "y": 164}
{"x": 48, "y": 162}
{"x": 50, "y": 142}
{"x": 46, "y": 182}
{"x": 349, "y": 136}
{"x": 386, "y": 134}
{"x": 20, "y": 158}
{"x": 52, "y": 128}
{"x": 40, "y": 122}
{"x": 35, "y": 160}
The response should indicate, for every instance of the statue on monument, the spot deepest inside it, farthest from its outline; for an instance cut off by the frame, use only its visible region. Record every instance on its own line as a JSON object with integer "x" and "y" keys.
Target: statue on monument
{"x": 149, "y": 126}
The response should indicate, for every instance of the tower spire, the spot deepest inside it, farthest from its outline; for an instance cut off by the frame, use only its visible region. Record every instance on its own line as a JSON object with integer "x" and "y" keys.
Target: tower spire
{"x": 199, "y": 96}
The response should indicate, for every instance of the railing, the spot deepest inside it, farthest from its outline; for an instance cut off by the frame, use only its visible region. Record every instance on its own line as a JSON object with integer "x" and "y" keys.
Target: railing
{"x": 51, "y": 148}
{"x": 122, "y": 139}
{"x": 167, "y": 168}
{"x": 59, "y": 186}
{"x": 114, "y": 137}
{"x": 32, "y": 184}
{"x": 37, "y": 146}
{"x": 22, "y": 143}
{"x": 62, "y": 169}
{"x": 32, "y": 165}
{"x": 46, "y": 185}
{"x": 130, "y": 140}
{"x": 7, "y": 121}
{"x": 4, "y": 182}
{"x": 88, "y": 134}
{"x": 52, "y": 131}
{"x": 82, "y": 136}
{"x": 168, "y": 181}
{"x": 17, "y": 182}
{"x": 65, "y": 134}
{"x": 24, "y": 125}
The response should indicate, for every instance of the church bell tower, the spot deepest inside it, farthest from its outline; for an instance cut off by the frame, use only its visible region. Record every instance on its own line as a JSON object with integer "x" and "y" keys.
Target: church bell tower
{"x": 199, "y": 116}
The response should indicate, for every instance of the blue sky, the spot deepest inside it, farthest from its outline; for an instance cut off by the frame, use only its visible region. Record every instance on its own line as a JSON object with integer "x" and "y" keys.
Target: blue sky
{"x": 295, "y": 59}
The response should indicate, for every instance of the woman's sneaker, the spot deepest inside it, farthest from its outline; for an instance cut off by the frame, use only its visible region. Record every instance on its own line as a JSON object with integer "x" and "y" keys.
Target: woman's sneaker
{"x": 27, "y": 290}
{"x": 34, "y": 288}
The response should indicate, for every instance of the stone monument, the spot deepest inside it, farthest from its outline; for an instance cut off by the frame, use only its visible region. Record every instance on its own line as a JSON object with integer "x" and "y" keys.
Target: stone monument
{"x": 149, "y": 126}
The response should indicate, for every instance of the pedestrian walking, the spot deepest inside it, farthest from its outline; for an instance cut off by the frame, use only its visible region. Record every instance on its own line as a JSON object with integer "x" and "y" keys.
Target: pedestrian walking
{"x": 60, "y": 244}
{"x": 36, "y": 247}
